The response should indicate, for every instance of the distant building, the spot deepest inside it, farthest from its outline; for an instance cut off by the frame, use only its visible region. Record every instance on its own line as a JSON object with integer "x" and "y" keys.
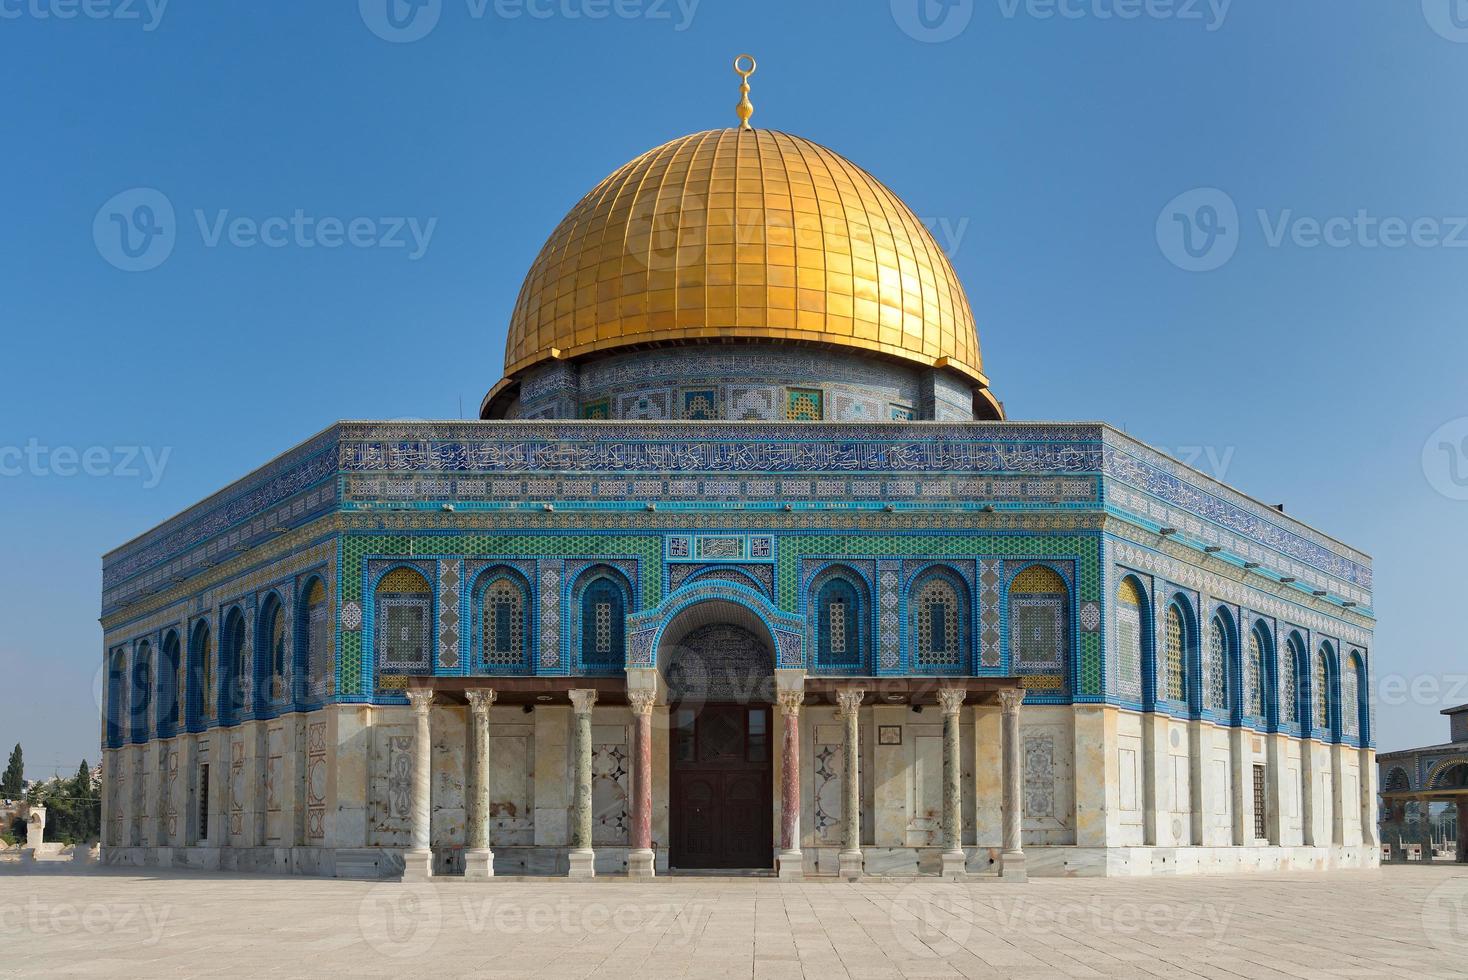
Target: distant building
{"x": 1422, "y": 794}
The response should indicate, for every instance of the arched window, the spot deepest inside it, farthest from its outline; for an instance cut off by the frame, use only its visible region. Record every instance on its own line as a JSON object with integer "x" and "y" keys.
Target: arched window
{"x": 939, "y": 617}
{"x": 142, "y": 690}
{"x": 1397, "y": 781}
{"x": 235, "y": 662}
{"x": 1215, "y": 666}
{"x": 1289, "y": 680}
{"x": 1039, "y": 628}
{"x": 1254, "y": 674}
{"x": 1130, "y": 630}
{"x": 404, "y": 623}
{"x": 1322, "y": 692}
{"x": 172, "y": 694}
{"x": 504, "y": 633}
{"x": 202, "y": 691}
{"x": 1353, "y": 698}
{"x": 272, "y": 652}
{"x": 603, "y": 624}
{"x": 313, "y": 644}
{"x": 840, "y": 613}
{"x": 1175, "y": 640}
{"x": 117, "y": 709}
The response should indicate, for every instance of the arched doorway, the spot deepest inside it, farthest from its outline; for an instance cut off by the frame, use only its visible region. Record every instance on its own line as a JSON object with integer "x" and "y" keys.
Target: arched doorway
{"x": 716, "y": 658}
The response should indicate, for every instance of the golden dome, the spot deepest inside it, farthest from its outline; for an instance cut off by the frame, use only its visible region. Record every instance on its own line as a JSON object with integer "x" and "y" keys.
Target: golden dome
{"x": 743, "y": 235}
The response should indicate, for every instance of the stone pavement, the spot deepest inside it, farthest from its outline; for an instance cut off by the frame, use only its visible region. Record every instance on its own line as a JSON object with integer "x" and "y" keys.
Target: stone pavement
{"x": 1398, "y": 921}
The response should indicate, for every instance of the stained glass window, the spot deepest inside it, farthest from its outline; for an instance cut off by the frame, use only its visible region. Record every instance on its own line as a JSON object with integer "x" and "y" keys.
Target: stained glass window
{"x": 1129, "y": 638}
{"x": 1216, "y": 688}
{"x": 1350, "y": 698}
{"x": 1254, "y": 677}
{"x": 938, "y": 623}
{"x": 838, "y": 629}
{"x": 1177, "y": 663}
{"x": 603, "y": 611}
{"x": 317, "y": 655}
{"x": 1322, "y": 693}
{"x": 502, "y": 643}
{"x": 1289, "y": 686}
{"x": 173, "y": 680}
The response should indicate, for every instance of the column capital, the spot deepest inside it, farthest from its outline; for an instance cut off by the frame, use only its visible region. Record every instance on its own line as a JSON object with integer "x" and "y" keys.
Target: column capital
{"x": 481, "y": 699}
{"x": 641, "y": 702}
{"x": 582, "y": 699}
{"x": 1011, "y": 698}
{"x": 420, "y": 699}
{"x": 790, "y": 700}
{"x": 850, "y": 698}
{"x": 951, "y": 699}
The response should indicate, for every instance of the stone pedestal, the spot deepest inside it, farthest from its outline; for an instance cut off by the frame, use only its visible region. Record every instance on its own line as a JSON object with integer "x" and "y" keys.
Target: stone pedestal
{"x": 641, "y": 860}
{"x": 850, "y": 864}
{"x": 582, "y": 857}
{"x": 791, "y": 863}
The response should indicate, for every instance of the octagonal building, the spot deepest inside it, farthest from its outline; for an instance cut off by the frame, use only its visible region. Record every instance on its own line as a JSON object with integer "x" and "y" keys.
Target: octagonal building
{"x": 741, "y": 568}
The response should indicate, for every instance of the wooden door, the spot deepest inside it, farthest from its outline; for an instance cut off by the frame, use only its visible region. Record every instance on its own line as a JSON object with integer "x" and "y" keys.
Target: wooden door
{"x": 722, "y": 801}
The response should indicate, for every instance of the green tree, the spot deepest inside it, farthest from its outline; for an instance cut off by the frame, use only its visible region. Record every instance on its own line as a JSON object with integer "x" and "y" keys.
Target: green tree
{"x": 13, "y": 782}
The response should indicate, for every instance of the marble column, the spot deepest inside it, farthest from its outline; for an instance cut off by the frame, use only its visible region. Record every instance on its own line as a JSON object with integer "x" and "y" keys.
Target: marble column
{"x": 478, "y": 857}
{"x": 850, "y": 859}
{"x": 791, "y": 863}
{"x": 418, "y": 861}
{"x": 1012, "y": 859}
{"x": 582, "y": 857}
{"x": 642, "y": 860}
{"x": 955, "y": 863}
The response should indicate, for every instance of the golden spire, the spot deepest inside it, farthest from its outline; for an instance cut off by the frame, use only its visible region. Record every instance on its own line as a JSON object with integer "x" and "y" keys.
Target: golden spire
{"x": 745, "y": 107}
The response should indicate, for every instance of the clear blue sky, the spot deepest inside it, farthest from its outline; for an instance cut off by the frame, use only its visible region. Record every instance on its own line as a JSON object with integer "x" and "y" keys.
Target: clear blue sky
{"x": 1315, "y": 376}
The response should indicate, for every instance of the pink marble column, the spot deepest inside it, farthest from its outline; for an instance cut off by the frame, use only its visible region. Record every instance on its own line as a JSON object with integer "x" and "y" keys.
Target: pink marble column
{"x": 641, "y": 860}
{"x": 790, "y": 857}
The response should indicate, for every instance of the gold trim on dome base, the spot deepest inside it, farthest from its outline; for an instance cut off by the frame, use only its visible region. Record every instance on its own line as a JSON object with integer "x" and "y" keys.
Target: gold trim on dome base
{"x": 743, "y": 235}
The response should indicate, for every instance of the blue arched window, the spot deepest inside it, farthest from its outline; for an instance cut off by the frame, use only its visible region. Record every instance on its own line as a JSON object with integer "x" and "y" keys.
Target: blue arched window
{"x": 272, "y": 654}
{"x": 1292, "y": 681}
{"x": 504, "y": 623}
{"x": 171, "y": 693}
{"x": 1324, "y": 691}
{"x": 234, "y": 659}
{"x": 603, "y": 624}
{"x": 1132, "y": 646}
{"x": 117, "y": 709}
{"x": 201, "y": 683}
{"x": 1353, "y": 698}
{"x": 1217, "y": 657}
{"x": 1256, "y": 672}
{"x": 1039, "y": 628}
{"x": 840, "y": 613}
{"x": 937, "y": 609}
{"x": 313, "y": 660}
{"x": 142, "y": 690}
{"x": 1177, "y": 654}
